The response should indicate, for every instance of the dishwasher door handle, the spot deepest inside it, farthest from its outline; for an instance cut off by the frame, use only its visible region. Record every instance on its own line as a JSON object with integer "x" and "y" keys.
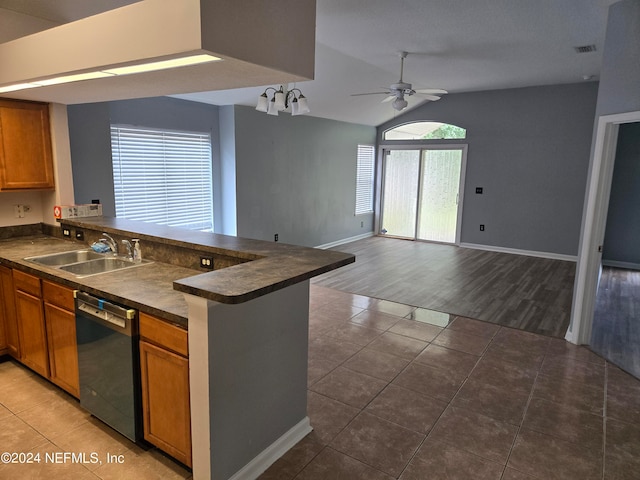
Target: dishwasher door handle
{"x": 103, "y": 315}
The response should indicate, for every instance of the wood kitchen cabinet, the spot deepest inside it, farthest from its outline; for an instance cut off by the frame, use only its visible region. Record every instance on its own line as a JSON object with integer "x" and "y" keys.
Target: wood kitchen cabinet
{"x": 26, "y": 160}
{"x": 8, "y": 312}
{"x": 31, "y": 328}
{"x": 164, "y": 368}
{"x": 47, "y": 330}
{"x": 60, "y": 319}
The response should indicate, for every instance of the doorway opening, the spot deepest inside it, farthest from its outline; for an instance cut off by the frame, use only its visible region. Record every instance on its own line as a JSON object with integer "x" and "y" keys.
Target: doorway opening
{"x": 422, "y": 192}
{"x": 593, "y": 226}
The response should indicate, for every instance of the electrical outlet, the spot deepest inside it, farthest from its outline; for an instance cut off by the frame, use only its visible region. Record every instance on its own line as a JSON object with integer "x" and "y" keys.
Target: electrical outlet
{"x": 482, "y": 227}
{"x": 18, "y": 211}
{"x": 79, "y": 235}
{"x": 275, "y": 237}
{"x": 206, "y": 262}
{"x": 479, "y": 190}
{"x": 66, "y": 232}
{"x": 361, "y": 224}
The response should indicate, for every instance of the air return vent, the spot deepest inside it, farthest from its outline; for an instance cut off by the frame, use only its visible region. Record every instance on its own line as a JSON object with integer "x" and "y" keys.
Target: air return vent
{"x": 585, "y": 49}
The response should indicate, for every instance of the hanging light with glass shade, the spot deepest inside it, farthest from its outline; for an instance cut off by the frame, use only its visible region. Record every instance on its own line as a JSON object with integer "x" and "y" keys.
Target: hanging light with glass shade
{"x": 273, "y": 101}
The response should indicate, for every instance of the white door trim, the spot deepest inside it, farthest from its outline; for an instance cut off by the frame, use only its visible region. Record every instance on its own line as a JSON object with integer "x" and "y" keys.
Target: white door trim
{"x": 593, "y": 226}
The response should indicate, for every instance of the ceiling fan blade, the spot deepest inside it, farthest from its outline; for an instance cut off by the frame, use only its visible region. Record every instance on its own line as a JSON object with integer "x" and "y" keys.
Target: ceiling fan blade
{"x": 433, "y": 91}
{"x": 371, "y": 93}
{"x": 433, "y": 98}
{"x": 388, "y": 99}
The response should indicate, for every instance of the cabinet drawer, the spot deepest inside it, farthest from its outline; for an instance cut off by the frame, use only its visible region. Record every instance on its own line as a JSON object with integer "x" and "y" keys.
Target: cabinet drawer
{"x": 164, "y": 334}
{"x": 58, "y": 295}
{"x": 27, "y": 283}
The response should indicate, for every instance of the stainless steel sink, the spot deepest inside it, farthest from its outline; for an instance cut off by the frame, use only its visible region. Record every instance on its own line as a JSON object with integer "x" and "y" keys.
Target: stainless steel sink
{"x": 84, "y": 263}
{"x": 65, "y": 258}
{"x": 101, "y": 265}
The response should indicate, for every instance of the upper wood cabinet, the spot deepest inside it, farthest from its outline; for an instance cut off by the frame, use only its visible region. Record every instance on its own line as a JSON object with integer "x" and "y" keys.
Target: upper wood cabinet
{"x": 25, "y": 146}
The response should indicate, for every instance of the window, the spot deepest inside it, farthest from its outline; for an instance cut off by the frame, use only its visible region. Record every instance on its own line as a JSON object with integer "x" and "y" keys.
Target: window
{"x": 364, "y": 179}
{"x": 163, "y": 177}
{"x": 425, "y": 131}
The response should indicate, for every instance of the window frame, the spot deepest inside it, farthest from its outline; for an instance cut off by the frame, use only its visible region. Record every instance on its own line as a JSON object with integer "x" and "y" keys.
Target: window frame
{"x": 365, "y": 179}
{"x": 155, "y": 167}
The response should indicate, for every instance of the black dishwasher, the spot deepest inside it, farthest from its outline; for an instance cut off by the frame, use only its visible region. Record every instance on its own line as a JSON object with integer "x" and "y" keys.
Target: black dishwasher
{"x": 108, "y": 363}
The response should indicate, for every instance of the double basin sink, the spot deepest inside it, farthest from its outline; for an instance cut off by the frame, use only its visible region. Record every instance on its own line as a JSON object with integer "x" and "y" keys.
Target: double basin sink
{"x": 84, "y": 263}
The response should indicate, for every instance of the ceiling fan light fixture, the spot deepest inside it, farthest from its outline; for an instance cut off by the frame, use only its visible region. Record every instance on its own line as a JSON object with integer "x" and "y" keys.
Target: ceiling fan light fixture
{"x": 399, "y": 104}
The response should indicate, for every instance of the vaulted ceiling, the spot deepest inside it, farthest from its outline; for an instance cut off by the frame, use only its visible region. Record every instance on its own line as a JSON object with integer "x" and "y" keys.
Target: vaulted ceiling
{"x": 457, "y": 45}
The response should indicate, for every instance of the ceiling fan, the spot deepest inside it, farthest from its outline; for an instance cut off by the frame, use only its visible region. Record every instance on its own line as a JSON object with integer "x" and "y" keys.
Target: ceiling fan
{"x": 397, "y": 91}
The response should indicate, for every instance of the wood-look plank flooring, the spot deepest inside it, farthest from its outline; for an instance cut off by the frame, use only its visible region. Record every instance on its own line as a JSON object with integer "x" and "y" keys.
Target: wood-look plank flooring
{"x": 616, "y": 324}
{"x": 518, "y": 291}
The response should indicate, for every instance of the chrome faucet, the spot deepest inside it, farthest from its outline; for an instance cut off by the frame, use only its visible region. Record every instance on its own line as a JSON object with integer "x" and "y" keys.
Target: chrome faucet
{"x": 127, "y": 244}
{"x": 110, "y": 242}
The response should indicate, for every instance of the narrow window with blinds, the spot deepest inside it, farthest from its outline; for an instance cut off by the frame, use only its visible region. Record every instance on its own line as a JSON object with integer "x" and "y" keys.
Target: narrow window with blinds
{"x": 364, "y": 179}
{"x": 163, "y": 177}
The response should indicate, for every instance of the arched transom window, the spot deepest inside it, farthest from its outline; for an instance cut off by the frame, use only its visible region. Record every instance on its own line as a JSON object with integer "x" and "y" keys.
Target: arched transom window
{"x": 425, "y": 131}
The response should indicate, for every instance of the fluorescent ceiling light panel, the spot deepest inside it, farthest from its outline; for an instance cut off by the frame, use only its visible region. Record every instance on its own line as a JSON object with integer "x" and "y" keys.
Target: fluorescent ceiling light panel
{"x": 71, "y": 78}
{"x": 18, "y": 86}
{"x": 162, "y": 65}
{"x": 112, "y": 72}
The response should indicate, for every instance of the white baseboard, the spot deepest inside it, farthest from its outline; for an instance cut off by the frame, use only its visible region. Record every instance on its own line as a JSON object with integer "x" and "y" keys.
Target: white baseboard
{"x": 617, "y": 264}
{"x": 345, "y": 240}
{"x": 273, "y": 452}
{"x": 516, "y": 251}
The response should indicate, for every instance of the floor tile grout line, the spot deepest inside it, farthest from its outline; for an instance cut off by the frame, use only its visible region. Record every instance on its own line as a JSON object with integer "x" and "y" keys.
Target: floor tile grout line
{"x": 524, "y": 415}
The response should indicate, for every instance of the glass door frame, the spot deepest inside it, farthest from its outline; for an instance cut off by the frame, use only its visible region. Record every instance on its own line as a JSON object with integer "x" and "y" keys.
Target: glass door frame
{"x": 380, "y": 184}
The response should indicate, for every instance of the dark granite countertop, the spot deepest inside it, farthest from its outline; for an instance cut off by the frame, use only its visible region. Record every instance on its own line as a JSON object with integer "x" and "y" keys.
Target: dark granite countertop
{"x": 148, "y": 288}
{"x": 157, "y": 288}
{"x": 273, "y": 265}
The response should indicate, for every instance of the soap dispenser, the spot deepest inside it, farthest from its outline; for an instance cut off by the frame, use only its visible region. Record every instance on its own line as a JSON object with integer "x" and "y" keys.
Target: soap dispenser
{"x": 137, "y": 251}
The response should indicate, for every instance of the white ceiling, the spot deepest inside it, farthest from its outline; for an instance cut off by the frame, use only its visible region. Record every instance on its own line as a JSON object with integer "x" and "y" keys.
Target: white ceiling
{"x": 458, "y": 45}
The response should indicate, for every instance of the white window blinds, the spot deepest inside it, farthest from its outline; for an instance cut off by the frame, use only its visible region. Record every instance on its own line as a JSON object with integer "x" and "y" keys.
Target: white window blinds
{"x": 364, "y": 179}
{"x": 163, "y": 177}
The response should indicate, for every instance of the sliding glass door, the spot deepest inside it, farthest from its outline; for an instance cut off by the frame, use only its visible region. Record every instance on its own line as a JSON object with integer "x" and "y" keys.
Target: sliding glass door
{"x": 421, "y": 193}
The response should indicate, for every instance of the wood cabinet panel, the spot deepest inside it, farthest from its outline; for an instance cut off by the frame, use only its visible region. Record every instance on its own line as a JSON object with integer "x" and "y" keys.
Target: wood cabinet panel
{"x": 58, "y": 295}
{"x": 25, "y": 146}
{"x": 27, "y": 283}
{"x": 164, "y": 334}
{"x": 63, "y": 352}
{"x": 33, "y": 337}
{"x": 9, "y": 310}
{"x": 165, "y": 401}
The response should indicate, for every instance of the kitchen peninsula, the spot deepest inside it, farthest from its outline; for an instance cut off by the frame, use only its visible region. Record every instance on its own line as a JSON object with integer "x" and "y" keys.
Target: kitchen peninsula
{"x": 247, "y": 323}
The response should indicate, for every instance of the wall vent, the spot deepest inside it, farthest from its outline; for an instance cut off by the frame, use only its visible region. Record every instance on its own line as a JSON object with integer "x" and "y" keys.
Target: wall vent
{"x": 585, "y": 49}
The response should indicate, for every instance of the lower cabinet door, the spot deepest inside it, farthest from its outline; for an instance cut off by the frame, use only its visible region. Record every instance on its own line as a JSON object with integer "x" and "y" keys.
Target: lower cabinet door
{"x": 9, "y": 310}
{"x": 33, "y": 337}
{"x": 165, "y": 401}
{"x": 63, "y": 351}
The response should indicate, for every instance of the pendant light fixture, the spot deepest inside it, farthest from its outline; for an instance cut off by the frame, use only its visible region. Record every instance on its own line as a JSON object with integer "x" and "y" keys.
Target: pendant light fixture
{"x": 281, "y": 100}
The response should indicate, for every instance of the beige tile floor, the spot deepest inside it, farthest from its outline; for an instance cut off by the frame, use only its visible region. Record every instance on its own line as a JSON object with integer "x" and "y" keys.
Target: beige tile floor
{"x": 394, "y": 392}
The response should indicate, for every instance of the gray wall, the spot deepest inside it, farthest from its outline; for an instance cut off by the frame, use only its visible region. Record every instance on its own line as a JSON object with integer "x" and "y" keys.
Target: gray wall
{"x": 296, "y": 177}
{"x": 622, "y": 237}
{"x": 620, "y": 76}
{"x": 619, "y": 93}
{"x": 529, "y": 150}
{"x": 91, "y": 142}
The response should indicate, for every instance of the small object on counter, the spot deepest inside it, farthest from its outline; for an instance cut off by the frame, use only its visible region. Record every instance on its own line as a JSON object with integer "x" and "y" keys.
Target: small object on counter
{"x": 137, "y": 251}
{"x": 100, "y": 247}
